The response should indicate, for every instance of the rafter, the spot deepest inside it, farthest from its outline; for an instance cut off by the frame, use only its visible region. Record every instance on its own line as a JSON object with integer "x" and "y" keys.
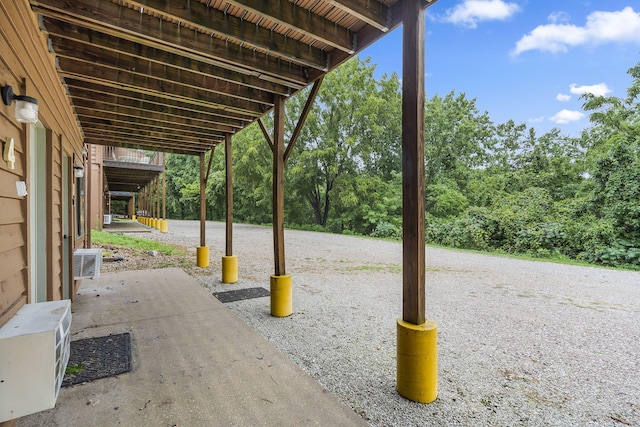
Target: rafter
{"x": 105, "y": 104}
{"x": 292, "y": 16}
{"x": 128, "y": 121}
{"x": 109, "y": 139}
{"x": 160, "y": 88}
{"x": 63, "y": 34}
{"x": 210, "y": 20}
{"x": 95, "y": 124}
{"x": 111, "y": 18}
{"x": 144, "y": 145}
{"x": 125, "y": 64}
{"x": 108, "y": 131}
{"x": 373, "y": 13}
{"x": 112, "y": 94}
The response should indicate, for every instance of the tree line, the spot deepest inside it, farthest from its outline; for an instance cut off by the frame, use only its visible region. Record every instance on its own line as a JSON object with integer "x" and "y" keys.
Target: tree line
{"x": 496, "y": 187}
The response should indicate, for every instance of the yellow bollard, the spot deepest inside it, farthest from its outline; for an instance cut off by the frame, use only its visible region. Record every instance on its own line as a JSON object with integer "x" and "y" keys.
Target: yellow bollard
{"x": 164, "y": 226}
{"x": 133, "y": 217}
{"x": 417, "y": 361}
{"x": 154, "y": 223}
{"x": 229, "y": 269}
{"x": 281, "y": 296}
{"x": 202, "y": 256}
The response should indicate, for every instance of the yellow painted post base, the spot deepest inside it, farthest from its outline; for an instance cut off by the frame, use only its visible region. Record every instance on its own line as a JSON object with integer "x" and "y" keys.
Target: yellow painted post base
{"x": 281, "y": 296}
{"x": 229, "y": 269}
{"x": 164, "y": 226}
{"x": 417, "y": 370}
{"x": 133, "y": 217}
{"x": 202, "y": 256}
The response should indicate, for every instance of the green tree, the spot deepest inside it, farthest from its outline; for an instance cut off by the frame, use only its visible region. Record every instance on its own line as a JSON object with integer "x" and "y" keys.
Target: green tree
{"x": 349, "y": 132}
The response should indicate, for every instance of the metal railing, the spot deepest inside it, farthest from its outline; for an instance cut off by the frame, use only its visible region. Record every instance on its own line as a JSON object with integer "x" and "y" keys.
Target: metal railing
{"x": 128, "y": 155}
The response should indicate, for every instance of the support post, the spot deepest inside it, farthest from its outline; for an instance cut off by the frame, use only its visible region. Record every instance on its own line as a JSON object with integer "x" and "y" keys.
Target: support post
{"x": 229, "y": 261}
{"x": 164, "y": 224}
{"x": 202, "y": 252}
{"x": 158, "y": 197}
{"x": 281, "y": 289}
{"x": 416, "y": 335}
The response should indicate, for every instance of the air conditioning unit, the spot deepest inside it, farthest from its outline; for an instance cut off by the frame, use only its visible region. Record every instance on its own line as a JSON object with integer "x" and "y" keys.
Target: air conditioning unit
{"x": 87, "y": 263}
{"x": 34, "y": 351}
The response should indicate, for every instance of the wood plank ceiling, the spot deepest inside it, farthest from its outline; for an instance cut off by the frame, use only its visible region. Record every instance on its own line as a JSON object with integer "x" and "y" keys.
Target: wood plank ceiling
{"x": 179, "y": 75}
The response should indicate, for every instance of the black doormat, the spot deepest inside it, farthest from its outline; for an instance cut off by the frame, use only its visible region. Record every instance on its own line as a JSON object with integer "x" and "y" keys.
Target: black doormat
{"x": 95, "y": 358}
{"x": 240, "y": 294}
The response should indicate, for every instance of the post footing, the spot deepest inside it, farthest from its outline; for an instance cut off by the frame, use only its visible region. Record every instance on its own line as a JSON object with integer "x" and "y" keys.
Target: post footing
{"x": 202, "y": 256}
{"x": 229, "y": 269}
{"x": 417, "y": 361}
{"x": 281, "y": 296}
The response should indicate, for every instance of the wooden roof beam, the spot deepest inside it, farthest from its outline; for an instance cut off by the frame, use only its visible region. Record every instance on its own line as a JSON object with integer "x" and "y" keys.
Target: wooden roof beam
{"x": 145, "y": 146}
{"x": 374, "y": 13}
{"x": 107, "y": 131}
{"x": 292, "y": 16}
{"x": 158, "y": 144}
{"x": 89, "y": 123}
{"x": 211, "y": 20}
{"x": 123, "y": 63}
{"x": 70, "y": 33}
{"x": 116, "y": 95}
{"x": 149, "y": 85}
{"x": 200, "y": 122}
{"x": 119, "y": 21}
{"x": 127, "y": 121}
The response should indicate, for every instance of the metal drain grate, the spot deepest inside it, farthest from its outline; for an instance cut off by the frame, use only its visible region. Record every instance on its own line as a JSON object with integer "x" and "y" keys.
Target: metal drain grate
{"x": 240, "y": 294}
{"x": 99, "y": 357}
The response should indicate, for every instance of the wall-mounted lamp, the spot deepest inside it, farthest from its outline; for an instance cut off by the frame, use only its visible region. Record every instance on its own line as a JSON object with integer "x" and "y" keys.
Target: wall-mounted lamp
{"x": 78, "y": 171}
{"x": 26, "y": 106}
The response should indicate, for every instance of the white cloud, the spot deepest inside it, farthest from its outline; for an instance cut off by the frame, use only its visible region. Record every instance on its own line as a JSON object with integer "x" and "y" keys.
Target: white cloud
{"x": 557, "y": 17}
{"x": 470, "y": 12}
{"x": 563, "y": 97}
{"x": 536, "y": 120}
{"x": 566, "y": 116}
{"x": 600, "y": 28}
{"x": 600, "y": 89}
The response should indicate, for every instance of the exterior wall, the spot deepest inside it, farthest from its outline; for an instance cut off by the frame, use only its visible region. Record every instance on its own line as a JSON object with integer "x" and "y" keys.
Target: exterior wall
{"x": 29, "y": 68}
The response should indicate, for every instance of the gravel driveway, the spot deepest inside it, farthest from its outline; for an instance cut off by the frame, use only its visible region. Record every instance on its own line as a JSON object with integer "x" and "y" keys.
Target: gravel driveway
{"x": 520, "y": 342}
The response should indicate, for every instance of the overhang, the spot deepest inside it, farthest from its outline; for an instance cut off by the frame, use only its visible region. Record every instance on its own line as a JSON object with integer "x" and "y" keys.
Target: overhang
{"x": 177, "y": 76}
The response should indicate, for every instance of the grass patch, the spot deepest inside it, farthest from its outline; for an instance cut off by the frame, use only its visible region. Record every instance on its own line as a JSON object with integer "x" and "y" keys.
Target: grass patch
{"x": 125, "y": 241}
{"x": 376, "y": 267}
{"x": 73, "y": 369}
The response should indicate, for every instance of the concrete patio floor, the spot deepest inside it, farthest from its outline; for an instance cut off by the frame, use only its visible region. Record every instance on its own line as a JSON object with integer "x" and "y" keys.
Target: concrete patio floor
{"x": 194, "y": 363}
{"x": 119, "y": 225}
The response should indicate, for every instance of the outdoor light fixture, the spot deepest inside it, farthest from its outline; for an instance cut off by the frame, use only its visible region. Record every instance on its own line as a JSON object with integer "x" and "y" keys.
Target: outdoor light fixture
{"x": 78, "y": 171}
{"x": 26, "y": 106}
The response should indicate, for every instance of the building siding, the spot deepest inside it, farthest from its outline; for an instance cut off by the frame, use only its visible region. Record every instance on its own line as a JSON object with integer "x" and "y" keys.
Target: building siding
{"x": 27, "y": 65}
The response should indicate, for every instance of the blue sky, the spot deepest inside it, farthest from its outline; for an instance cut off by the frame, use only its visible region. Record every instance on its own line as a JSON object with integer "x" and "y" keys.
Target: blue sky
{"x": 526, "y": 60}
